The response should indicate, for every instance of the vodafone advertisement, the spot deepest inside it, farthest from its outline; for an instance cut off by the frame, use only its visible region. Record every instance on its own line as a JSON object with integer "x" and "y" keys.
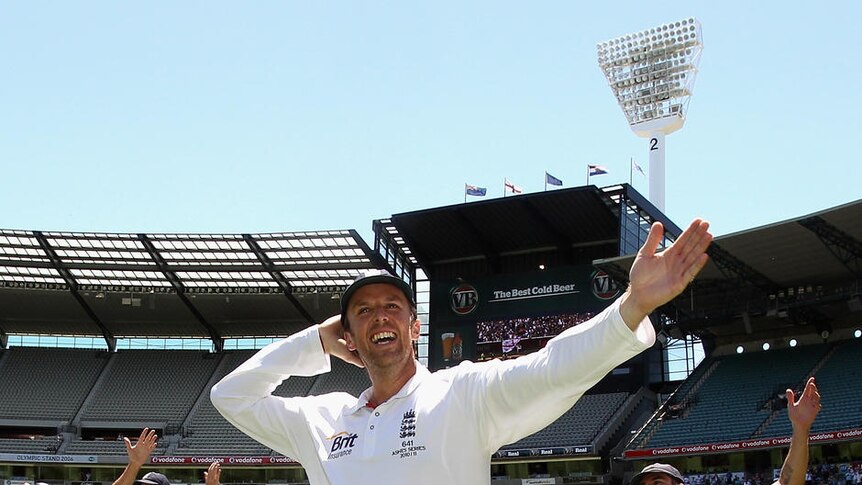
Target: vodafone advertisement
{"x": 224, "y": 460}
{"x": 741, "y": 446}
{"x": 511, "y": 315}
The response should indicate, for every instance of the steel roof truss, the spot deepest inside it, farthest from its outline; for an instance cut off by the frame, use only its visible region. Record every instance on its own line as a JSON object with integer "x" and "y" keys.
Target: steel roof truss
{"x": 844, "y": 247}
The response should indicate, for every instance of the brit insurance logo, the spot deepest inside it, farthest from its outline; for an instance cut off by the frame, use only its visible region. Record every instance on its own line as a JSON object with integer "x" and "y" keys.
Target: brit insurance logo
{"x": 463, "y": 299}
{"x": 342, "y": 444}
{"x": 604, "y": 287}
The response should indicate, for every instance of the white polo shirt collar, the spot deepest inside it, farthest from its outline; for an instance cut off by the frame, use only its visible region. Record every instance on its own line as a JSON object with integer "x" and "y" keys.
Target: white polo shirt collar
{"x": 421, "y": 374}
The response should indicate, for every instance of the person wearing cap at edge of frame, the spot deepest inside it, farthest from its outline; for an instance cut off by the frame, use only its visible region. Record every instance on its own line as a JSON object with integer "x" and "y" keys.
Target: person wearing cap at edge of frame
{"x": 138, "y": 455}
{"x": 414, "y": 426}
{"x": 801, "y": 414}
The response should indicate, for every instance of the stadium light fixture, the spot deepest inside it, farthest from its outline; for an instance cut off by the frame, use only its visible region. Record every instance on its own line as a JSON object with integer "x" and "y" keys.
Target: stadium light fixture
{"x": 651, "y": 74}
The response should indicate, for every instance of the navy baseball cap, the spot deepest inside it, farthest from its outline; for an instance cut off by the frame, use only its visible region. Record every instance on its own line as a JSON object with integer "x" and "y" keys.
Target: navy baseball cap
{"x": 370, "y": 277}
{"x": 154, "y": 478}
{"x": 658, "y": 468}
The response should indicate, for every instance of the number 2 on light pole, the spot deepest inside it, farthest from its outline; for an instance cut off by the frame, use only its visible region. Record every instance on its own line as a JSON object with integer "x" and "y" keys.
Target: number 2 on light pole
{"x": 653, "y": 144}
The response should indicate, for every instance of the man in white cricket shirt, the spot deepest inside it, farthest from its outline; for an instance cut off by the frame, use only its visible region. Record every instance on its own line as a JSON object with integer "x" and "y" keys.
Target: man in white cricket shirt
{"x": 422, "y": 428}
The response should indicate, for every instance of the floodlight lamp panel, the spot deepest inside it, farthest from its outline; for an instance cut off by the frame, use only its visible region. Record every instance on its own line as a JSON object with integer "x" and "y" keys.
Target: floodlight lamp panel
{"x": 652, "y": 73}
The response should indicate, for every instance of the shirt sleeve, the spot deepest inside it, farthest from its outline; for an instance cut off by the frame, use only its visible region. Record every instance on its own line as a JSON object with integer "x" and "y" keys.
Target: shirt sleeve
{"x": 514, "y": 398}
{"x": 244, "y": 397}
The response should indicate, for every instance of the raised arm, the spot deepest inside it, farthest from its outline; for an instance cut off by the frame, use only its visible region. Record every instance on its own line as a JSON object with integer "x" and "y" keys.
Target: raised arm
{"x": 213, "y": 474}
{"x": 532, "y": 391}
{"x": 244, "y": 396}
{"x": 138, "y": 455}
{"x": 801, "y": 414}
{"x": 656, "y": 278}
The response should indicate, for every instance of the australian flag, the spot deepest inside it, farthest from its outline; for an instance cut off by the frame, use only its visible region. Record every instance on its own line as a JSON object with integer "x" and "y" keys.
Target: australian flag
{"x": 475, "y": 191}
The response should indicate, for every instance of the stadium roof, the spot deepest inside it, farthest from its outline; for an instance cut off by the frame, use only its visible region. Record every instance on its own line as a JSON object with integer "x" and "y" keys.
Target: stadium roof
{"x": 557, "y": 220}
{"x": 499, "y": 226}
{"x": 799, "y": 275}
{"x": 182, "y": 285}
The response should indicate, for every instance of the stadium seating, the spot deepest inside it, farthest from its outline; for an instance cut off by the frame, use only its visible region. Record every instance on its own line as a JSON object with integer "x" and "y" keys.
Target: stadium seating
{"x": 343, "y": 377}
{"x": 578, "y": 426}
{"x": 98, "y": 447}
{"x": 146, "y": 386}
{"x": 735, "y": 399}
{"x": 44, "y": 445}
{"x": 839, "y": 386}
{"x": 207, "y": 432}
{"x": 47, "y": 384}
{"x": 727, "y": 398}
{"x": 680, "y": 399}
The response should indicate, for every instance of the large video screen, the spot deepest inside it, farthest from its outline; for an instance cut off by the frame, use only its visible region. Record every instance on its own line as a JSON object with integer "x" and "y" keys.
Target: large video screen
{"x": 511, "y": 337}
{"x": 512, "y": 315}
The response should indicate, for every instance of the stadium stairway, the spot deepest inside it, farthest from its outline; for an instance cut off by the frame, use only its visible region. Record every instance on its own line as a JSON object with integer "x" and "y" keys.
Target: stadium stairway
{"x": 3, "y": 355}
{"x": 205, "y": 431}
{"x": 221, "y": 370}
{"x": 637, "y": 408}
{"x": 109, "y": 361}
{"x": 679, "y": 396}
{"x": 580, "y": 425}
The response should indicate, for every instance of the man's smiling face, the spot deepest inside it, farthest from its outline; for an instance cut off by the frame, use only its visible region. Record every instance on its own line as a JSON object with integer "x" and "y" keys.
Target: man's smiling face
{"x": 382, "y": 327}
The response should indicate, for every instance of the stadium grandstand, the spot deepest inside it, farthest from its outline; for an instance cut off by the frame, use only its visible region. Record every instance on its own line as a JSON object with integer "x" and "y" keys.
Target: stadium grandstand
{"x": 104, "y": 334}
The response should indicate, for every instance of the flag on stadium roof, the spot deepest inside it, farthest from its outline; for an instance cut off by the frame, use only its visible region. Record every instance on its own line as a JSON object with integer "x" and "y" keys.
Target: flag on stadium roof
{"x": 474, "y": 190}
{"x": 638, "y": 167}
{"x": 597, "y": 170}
{"x": 550, "y": 179}
{"x": 510, "y": 186}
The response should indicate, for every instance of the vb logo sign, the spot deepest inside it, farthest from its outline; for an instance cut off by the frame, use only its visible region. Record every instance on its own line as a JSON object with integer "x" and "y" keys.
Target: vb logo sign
{"x": 604, "y": 287}
{"x": 463, "y": 299}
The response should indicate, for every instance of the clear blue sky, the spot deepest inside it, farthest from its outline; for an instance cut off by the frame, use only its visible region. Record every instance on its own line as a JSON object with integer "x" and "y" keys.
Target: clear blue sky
{"x": 287, "y": 116}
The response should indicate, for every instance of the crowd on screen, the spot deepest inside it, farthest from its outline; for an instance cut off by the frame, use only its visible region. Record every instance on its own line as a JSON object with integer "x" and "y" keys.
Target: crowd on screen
{"x": 527, "y": 327}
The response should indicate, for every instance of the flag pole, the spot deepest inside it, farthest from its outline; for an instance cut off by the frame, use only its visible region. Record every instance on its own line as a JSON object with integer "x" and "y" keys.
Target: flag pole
{"x": 588, "y": 174}
{"x": 630, "y": 170}
{"x": 546, "y": 181}
{"x": 465, "y": 192}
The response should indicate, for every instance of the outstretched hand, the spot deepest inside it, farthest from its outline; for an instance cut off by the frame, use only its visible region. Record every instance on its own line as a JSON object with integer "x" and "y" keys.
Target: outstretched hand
{"x": 213, "y": 474}
{"x": 140, "y": 451}
{"x": 332, "y": 338}
{"x": 656, "y": 278}
{"x": 803, "y": 412}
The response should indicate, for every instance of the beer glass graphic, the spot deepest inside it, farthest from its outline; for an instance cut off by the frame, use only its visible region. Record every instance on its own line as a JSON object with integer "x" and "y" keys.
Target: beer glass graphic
{"x": 447, "y": 338}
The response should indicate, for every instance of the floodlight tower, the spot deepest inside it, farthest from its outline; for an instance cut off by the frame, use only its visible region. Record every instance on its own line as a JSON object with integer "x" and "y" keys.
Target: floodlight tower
{"x": 652, "y": 74}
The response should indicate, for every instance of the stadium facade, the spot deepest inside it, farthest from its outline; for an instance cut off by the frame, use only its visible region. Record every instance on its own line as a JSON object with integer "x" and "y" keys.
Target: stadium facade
{"x": 494, "y": 279}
